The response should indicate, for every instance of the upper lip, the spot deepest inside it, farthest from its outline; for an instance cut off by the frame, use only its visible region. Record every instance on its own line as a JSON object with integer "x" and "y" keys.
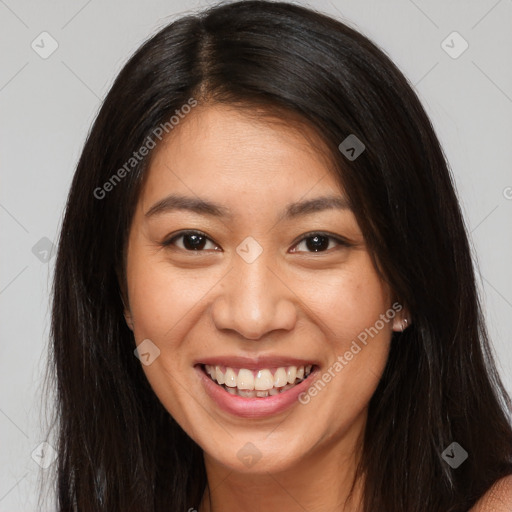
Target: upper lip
{"x": 255, "y": 363}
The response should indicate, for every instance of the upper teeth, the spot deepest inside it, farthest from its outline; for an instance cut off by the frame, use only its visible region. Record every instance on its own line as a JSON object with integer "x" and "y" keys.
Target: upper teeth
{"x": 260, "y": 380}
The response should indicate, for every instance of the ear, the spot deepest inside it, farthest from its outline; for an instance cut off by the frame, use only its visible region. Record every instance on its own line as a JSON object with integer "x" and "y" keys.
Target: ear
{"x": 402, "y": 320}
{"x": 128, "y": 318}
{"x": 126, "y": 309}
{"x": 127, "y": 313}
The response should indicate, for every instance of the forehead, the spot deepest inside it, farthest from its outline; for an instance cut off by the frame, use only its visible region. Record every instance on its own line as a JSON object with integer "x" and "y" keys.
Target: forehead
{"x": 221, "y": 150}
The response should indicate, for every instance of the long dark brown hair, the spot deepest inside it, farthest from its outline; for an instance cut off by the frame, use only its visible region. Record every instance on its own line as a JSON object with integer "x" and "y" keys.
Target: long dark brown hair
{"x": 118, "y": 448}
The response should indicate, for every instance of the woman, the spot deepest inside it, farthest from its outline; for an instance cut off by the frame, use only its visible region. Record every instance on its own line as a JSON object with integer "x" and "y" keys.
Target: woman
{"x": 264, "y": 296}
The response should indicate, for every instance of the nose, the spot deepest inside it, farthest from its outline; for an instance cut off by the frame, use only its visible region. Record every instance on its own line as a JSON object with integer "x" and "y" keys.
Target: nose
{"x": 254, "y": 300}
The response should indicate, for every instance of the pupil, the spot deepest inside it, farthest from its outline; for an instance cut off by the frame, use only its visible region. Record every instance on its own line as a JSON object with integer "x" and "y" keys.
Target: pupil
{"x": 193, "y": 241}
{"x": 317, "y": 243}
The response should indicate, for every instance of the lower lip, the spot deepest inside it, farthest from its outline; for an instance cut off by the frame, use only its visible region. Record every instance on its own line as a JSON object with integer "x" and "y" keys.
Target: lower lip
{"x": 256, "y": 407}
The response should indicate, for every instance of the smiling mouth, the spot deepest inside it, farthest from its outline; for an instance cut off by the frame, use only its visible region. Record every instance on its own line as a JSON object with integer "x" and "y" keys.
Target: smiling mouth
{"x": 257, "y": 383}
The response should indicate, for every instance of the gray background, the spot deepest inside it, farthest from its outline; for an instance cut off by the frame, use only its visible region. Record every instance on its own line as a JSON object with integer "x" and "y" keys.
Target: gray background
{"x": 47, "y": 106}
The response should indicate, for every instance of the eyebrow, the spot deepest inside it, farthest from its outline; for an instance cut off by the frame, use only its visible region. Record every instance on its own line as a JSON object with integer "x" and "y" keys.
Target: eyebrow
{"x": 176, "y": 202}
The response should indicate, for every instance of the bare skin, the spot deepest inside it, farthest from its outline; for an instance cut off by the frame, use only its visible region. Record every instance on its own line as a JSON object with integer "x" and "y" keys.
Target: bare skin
{"x": 497, "y": 499}
{"x": 290, "y": 301}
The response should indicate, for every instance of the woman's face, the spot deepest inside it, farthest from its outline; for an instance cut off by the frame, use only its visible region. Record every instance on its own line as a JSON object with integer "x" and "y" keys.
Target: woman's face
{"x": 277, "y": 282}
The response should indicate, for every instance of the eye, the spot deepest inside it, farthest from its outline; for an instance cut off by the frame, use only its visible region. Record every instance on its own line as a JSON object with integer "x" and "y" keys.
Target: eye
{"x": 191, "y": 241}
{"x": 195, "y": 241}
{"x": 320, "y": 242}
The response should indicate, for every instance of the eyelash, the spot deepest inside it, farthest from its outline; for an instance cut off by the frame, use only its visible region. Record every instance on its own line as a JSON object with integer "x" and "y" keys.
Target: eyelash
{"x": 340, "y": 241}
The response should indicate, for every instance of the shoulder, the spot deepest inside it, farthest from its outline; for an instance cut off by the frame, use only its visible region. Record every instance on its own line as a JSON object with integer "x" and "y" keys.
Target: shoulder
{"x": 497, "y": 499}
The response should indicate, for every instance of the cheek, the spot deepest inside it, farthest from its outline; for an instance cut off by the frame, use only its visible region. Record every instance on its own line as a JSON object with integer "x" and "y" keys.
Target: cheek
{"x": 346, "y": 302}
{"x": 353, "y": 309}
{"x": 162, "y": 298}
{"x": 162, "y": 303}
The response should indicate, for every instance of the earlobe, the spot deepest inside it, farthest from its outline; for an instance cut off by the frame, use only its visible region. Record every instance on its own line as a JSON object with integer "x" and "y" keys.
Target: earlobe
{"x": 402, "y": 321}
{"x": 126, "y": 312}
{"x": 128, "y": 318}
